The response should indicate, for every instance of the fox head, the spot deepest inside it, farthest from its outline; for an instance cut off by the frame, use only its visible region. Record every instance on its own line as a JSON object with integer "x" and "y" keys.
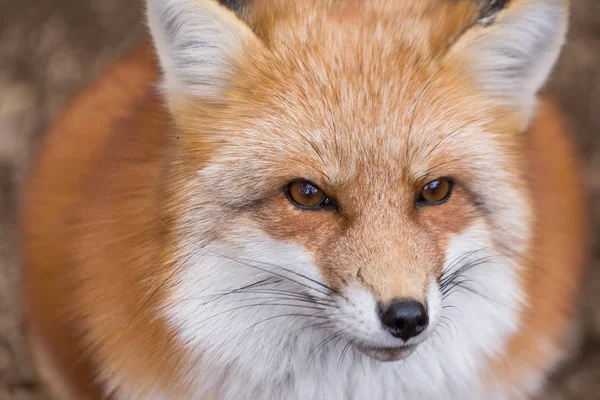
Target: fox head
{"x": 348, "y": 176}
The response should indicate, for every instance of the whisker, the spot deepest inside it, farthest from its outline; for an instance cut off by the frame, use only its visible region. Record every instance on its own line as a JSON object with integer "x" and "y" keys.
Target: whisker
{"x": 316, "y": 325}
{"x": 323, "y": 344}
{"x": 271, "y": 272}
{"x": 344, "y": 351}
{"x": 253, "y": 306}
{"x": 298, "y": 297}
{"x": 275, "y": 317}
{"x": 279, "y": 294}
{"x": 467, "y": 265}
{"x": 159, "y": 287}
{"x": 457, "y": 261}
{"x": 216, "y": 297}
{"x": 449, "y": 276}
{"x": 283, "y": 291}
{"x": 455, "y": 280}
{"x": 283, "y": 298}
{"x": 297, "y": 274}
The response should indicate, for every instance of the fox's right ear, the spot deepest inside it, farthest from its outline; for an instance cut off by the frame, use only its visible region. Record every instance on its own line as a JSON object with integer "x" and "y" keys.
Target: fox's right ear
{"x": 200, "y": 45}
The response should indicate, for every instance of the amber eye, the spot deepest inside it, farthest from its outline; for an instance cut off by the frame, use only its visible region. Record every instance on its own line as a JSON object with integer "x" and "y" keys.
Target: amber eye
{"x": 307, "y": 195}
{"x": 435, "y": 192}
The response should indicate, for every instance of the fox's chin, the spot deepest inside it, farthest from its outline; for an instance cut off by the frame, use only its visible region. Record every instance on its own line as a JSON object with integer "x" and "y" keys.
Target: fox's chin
{"x": 386, "y": 354}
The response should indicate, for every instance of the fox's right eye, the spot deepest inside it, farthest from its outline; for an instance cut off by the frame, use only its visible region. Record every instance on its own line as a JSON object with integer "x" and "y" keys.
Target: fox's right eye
{"x": 306, "y": 195}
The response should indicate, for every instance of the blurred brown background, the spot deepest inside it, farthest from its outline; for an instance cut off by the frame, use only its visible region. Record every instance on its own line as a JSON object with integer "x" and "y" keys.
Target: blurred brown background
{"x": 51, "y": 48}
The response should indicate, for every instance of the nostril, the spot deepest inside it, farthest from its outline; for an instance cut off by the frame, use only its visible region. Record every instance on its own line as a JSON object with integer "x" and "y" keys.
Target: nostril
{"x": 405, "y": 318}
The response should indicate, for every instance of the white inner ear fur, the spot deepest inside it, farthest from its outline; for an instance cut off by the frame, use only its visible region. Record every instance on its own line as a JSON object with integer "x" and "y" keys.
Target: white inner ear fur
{"x": 512, "y": 57}
{"x": 199, "y": 44}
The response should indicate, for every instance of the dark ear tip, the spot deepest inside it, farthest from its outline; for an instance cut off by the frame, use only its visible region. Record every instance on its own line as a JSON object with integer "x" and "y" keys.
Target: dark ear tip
{"x": 233, "y": 5}
{"x": 489, "y": 8}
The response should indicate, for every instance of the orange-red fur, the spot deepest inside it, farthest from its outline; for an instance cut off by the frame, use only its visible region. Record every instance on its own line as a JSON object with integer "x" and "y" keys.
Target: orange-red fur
{"x": 98, "y": 213}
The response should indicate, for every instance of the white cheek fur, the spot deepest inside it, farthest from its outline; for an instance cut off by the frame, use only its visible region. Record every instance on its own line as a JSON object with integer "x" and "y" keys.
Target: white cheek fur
{"x": 283, "y": 350}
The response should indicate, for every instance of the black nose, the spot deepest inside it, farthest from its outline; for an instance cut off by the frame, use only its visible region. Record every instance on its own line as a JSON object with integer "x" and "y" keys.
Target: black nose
{"x": 405, "y": 318}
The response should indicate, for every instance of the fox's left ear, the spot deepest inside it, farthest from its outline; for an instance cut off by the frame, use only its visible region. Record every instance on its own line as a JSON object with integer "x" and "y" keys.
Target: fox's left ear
{"x": 512, "y": 48}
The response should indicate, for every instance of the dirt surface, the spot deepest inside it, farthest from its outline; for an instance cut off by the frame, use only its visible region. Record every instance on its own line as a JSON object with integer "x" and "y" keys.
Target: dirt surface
{"x": 51, "y": 48}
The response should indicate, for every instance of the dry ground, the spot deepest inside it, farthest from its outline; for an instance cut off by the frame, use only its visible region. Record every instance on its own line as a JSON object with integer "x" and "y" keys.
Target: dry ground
{"x": 50, "y": 48}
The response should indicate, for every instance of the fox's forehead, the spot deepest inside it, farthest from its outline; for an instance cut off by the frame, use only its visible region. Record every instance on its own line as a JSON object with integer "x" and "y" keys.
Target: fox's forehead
{"x": 368, "y": 88}
{"x": 361, "y": 153}
{"x": 431, "y": 24}
{"x": 356, "y": 116}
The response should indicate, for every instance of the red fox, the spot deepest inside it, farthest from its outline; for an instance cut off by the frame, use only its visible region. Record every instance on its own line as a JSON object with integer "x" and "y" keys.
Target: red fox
{"x": 317, "y": 199}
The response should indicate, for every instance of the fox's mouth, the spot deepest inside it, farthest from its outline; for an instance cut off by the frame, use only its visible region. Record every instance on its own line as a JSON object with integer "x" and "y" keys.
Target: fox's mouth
{"x": 387, "y": 354}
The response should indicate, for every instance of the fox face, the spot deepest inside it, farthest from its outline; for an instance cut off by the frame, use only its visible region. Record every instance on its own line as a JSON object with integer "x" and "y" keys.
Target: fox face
{"x": 352, "y": 185}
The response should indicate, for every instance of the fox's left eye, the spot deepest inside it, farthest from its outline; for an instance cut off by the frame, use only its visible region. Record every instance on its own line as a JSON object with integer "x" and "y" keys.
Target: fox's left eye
{"x": 435, "y": 192}
{"x": 307, "y": 195}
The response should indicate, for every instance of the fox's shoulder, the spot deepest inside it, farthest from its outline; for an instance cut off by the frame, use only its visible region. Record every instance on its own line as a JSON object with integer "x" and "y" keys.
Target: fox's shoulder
{"x": 78, "y": 138}
{"x": 561, "y": 239}
{"x": 82, "y": 162}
